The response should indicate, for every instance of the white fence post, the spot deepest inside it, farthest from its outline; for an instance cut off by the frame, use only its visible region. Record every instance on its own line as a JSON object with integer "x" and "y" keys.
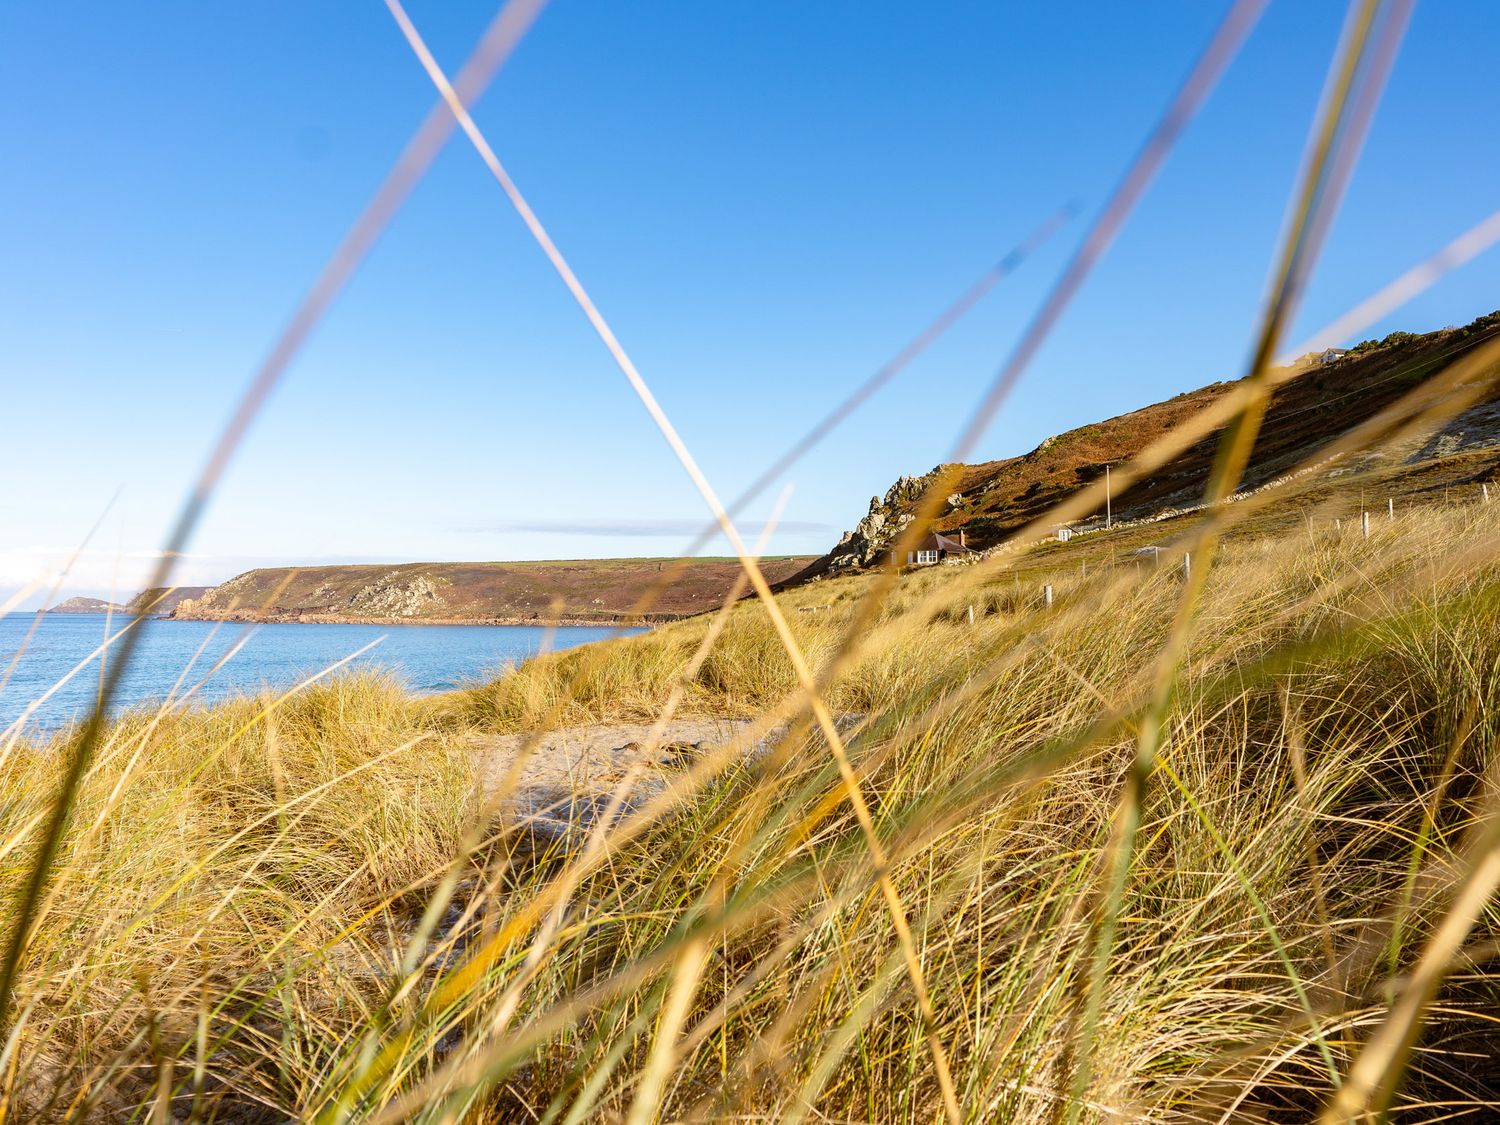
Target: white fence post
{"x": 1047, "y": 596}
{"x": 1390, "y": 507}
{"x": 1187, "y": 564}
{"x": 1364, "y": 523}
{"x": 971, "y": 615}
{"x": 1484, "y": 490}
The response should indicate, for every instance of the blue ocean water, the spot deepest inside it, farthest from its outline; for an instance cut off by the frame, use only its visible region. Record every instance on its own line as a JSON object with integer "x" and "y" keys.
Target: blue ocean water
{"x": 56, "y": 675}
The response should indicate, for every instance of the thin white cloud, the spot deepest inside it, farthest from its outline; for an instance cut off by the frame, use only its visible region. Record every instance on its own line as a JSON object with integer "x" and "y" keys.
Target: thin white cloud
{"x": 627, "y": 529}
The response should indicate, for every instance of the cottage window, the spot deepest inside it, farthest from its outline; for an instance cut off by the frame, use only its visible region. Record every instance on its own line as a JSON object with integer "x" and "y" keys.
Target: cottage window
{"x": 925, "y": 557}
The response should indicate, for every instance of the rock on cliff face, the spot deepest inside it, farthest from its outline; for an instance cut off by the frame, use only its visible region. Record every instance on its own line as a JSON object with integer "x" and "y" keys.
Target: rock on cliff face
{"x": 885, "y": 520}
{"x": 216, "y": 601}
{"x": 390, "y": 597}
{"x": 161, "y": 601}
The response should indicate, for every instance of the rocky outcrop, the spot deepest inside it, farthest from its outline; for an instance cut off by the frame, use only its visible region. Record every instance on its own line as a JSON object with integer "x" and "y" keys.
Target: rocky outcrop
{"x": 1475, "y": 428}
{"x": 218, "y": 603}
{"x": 885, "y": 520}
{"x": 161, "y": 601}
{"x": 389, "y": 596}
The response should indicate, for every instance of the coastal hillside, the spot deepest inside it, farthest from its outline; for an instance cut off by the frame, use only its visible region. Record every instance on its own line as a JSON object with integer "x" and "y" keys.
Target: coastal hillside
{"x": 579, "y": 591}
{"x": 1337, "y": 391}
{"x": 163, "y": 601}
{"x": 155, "y": 601}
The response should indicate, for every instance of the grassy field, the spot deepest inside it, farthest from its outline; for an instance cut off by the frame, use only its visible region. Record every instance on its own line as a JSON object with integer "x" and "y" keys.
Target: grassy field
{"x": 301, "y": 911}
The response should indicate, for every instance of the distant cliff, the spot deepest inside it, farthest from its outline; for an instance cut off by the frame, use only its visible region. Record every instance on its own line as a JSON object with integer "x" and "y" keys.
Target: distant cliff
{"x": 582, "y": 591}
{"x": 163, "y": 601}
{"x": 156, "y": 602}
{"x": 87, "y": 605}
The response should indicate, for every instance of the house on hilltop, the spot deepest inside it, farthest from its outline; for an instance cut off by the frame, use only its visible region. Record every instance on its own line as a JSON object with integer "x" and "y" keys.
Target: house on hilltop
{"x": 937, "y": 548}
{"x": 1322, "y": 358}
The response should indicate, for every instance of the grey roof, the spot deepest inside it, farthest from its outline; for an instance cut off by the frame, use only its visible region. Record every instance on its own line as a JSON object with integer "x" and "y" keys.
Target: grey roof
{"x": 936, "y": 542}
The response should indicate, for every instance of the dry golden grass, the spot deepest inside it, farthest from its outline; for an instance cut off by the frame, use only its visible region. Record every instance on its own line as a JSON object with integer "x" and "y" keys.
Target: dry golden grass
{"x": 1221, "y": 849}
{"x": 236, "y": 926}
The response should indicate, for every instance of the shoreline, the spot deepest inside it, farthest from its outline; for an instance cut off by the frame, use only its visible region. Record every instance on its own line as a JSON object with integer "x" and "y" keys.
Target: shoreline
{"x": 634, "y": 621}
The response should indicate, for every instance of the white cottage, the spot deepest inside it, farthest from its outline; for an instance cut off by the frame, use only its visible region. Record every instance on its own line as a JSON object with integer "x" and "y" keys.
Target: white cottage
{"x": 937, "y": 548}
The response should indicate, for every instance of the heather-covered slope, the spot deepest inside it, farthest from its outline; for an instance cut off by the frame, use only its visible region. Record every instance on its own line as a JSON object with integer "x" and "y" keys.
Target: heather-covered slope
{"x": 1329, "y": 398}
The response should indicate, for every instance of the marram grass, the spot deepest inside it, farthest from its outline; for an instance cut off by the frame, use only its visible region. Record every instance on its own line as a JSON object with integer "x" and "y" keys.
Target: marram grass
{"x": 305, "y": 910}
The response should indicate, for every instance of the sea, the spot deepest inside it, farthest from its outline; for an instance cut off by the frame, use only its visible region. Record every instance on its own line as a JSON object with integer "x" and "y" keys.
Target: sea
{"x": 51, "y": 669}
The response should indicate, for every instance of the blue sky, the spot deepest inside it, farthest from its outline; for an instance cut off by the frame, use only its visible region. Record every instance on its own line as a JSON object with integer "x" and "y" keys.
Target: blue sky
{"x": 766, "y": 200}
